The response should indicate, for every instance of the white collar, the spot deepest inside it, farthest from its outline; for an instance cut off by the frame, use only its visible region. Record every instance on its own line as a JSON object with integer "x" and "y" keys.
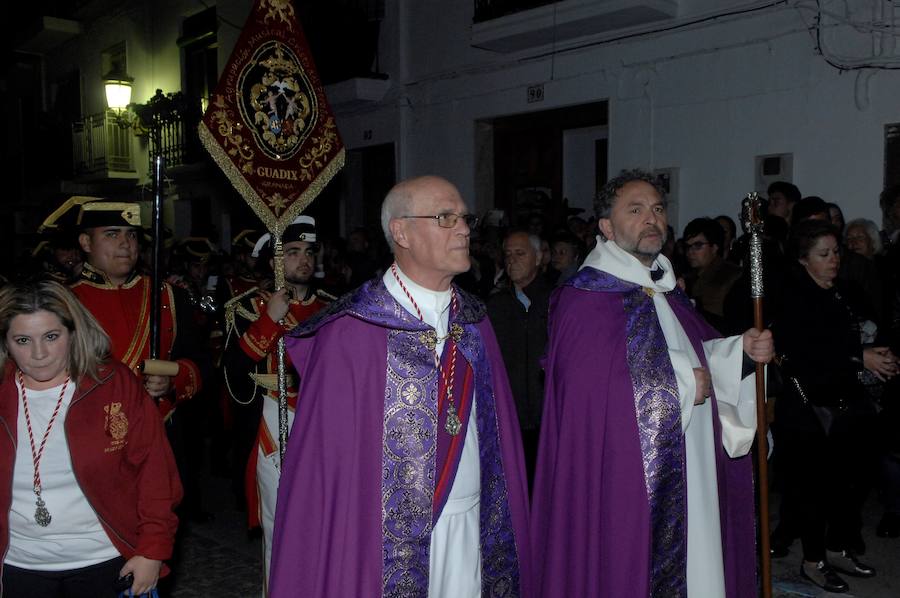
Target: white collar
{"x": 434, "y": 304}
{"x": 608, "y": 257}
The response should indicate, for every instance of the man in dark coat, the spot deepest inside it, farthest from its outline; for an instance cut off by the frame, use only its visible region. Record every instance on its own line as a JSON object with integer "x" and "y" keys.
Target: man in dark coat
{"x": 518, "y": 314}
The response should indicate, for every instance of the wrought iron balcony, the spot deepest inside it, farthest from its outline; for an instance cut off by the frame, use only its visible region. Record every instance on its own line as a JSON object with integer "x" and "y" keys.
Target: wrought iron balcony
{"x": 103, "y": 144}
{"x": 101, "y": 149}
{"x": 170, "y": 120}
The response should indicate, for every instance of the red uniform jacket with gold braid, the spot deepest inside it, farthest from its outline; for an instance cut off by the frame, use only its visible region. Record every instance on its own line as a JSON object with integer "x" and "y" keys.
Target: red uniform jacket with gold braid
{"x": 124, "y": 313}
{"x": 250, "y": 368}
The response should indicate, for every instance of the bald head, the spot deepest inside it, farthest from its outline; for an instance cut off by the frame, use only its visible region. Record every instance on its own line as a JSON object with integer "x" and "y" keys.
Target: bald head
{"x": 400, "y": 200}
{"x": 427, "y": 250}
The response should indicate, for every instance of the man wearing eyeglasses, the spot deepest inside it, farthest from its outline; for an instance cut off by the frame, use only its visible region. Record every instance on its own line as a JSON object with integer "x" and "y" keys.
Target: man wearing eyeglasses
{"x": 404, "y": 472}
{"x": 711, "y": 277}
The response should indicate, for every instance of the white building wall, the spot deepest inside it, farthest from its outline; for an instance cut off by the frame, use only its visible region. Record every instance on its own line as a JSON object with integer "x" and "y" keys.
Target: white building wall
{"x": 705, "y": 99}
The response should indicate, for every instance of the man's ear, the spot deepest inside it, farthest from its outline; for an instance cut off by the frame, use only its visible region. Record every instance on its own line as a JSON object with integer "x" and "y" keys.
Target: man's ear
{"x": 606, "y": 228}
{"x": 84, "y": 240}
{"x": 398, "y": 232}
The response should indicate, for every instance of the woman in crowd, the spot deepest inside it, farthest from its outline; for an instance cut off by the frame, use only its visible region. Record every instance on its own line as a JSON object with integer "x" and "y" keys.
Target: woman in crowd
{"x": 89, "y": 482}
{"x": 874, "y": 273}
{"x": 823, "y": 423}
{"x": 861, "y": 236}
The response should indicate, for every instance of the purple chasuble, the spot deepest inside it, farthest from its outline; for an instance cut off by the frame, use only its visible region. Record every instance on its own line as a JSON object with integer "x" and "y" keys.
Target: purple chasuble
{"x": 609, "y": 510}
{"x": 357, "y": 501}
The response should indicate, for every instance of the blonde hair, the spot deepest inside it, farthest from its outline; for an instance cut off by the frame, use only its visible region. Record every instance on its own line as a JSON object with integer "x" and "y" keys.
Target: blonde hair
{"x": 89, "y": 345}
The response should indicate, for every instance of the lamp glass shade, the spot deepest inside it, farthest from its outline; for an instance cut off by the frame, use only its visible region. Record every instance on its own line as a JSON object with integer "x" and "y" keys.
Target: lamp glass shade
{"x": 118, "y": 94}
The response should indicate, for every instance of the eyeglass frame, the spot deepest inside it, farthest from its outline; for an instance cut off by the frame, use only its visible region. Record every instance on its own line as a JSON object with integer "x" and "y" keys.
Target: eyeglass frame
{"x": 471, "y": 220}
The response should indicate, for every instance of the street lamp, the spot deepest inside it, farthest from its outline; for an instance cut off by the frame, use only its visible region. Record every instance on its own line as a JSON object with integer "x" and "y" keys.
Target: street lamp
{"x": 117, "y": 85}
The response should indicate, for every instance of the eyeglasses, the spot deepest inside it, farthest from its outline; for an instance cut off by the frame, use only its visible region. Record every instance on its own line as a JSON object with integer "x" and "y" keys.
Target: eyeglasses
{"x": 696, "y": 245}
{"x": 449, "y": 219}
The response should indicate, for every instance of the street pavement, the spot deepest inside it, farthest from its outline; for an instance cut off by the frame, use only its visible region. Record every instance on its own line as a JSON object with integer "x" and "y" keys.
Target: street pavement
{"x": 881, "y": 553}
{"x": 219, "y": 559}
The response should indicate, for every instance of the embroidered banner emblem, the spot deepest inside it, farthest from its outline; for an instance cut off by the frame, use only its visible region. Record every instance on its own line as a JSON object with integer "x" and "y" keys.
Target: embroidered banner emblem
{"x": 278, "y": 99}
{"x": 268, "y": 125}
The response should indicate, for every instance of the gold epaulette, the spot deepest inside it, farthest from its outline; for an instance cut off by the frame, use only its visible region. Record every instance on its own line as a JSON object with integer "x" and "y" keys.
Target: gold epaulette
{"x": 233, "y": 307}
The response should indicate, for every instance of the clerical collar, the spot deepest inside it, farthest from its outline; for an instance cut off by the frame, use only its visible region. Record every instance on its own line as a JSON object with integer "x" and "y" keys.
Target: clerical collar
{"x": 435, "y": 305}
{"x": 608, "y": 257}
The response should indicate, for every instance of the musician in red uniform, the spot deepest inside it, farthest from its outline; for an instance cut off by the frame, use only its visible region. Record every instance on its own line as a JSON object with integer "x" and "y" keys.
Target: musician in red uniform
{"x": 254, "y": 322}
{"x": 118, "y": 295}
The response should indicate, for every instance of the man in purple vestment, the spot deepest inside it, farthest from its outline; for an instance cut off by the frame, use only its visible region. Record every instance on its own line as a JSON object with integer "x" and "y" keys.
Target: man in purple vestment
{"x": 404, "y": 475}
{"x": 644, "y": 483}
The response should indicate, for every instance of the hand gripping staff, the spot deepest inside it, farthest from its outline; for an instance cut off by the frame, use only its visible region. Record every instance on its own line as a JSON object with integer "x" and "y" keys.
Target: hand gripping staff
{"x": 751, "y": 215}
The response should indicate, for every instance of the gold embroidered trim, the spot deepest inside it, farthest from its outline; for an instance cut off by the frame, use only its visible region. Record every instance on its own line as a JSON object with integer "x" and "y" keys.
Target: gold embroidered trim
{"x": 132, "y": 355}
{"x": 236, "y": 174}
{"x": 171, "y": 297}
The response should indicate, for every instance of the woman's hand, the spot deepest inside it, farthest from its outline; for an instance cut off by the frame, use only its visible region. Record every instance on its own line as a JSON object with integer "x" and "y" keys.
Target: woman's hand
{"x": 146, "y": 573}
{"x": 881, "y": 362}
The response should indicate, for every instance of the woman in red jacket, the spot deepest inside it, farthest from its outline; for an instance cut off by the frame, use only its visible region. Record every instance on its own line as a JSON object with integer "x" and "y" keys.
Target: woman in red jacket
{"x": 87, "y": 479}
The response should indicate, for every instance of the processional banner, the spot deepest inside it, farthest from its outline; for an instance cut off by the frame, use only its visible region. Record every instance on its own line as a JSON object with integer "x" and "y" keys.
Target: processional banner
{"x": 268, "y": 125}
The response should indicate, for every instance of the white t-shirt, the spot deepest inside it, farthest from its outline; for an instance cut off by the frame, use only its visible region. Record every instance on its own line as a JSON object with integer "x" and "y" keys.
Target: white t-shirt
{"x": 74, "y": 538}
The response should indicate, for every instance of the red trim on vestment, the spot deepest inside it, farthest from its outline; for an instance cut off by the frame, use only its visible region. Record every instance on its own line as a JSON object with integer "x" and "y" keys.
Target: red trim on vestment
{"x": 456, "y": 443}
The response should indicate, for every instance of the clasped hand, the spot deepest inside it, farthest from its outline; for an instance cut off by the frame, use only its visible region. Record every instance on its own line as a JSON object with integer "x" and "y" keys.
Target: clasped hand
{"x": 881, "y": 362}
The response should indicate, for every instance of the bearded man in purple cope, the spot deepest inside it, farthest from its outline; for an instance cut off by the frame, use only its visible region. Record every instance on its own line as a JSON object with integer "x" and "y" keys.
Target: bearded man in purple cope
{"x": 404, "y": 474}
{"x": 644, "y": 483}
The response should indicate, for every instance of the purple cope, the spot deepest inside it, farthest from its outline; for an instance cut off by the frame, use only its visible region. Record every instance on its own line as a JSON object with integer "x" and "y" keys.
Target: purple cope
{"x": 356, "y": 502}
{"x": 609, "y": 514}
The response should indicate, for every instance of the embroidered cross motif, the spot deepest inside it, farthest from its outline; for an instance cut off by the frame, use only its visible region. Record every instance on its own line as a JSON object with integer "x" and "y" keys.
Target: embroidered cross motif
{"x": 406, "y": 513}
{"x": 408, "y": 431}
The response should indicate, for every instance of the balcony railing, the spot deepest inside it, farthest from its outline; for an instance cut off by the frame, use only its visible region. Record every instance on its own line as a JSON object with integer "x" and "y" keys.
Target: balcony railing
{"x": 485, "y": 10}
{"x": 171, "y": 122}
{"x": 101, "y": 148}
